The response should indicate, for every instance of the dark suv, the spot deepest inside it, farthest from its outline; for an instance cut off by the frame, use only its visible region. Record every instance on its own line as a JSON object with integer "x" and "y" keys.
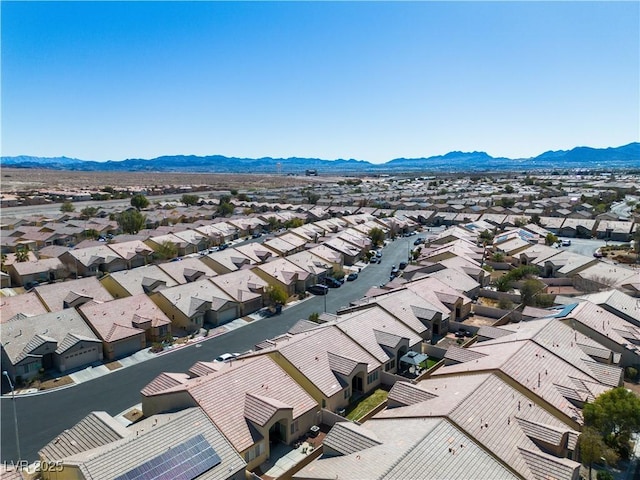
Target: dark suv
{"x": 332, "y": 282}
{"x": 318, "y": 289}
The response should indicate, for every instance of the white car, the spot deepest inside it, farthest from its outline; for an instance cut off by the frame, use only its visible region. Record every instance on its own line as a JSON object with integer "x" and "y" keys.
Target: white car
{"x": 566, "y": 243}
{"x": 226, "y": 357}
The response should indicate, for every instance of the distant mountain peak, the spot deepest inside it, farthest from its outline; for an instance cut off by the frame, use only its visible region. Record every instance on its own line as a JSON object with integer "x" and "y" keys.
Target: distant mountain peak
{"x": 626, "y": 156}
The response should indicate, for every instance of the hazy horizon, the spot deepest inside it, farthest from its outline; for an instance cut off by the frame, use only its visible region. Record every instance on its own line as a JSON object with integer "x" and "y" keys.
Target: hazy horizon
{"x": 369, "y": 81}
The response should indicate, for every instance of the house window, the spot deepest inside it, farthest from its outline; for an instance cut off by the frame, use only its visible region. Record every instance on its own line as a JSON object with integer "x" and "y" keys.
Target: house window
{"x": 294, "y": 427}
{"x": 254, "y": 452}
{"x": 390, "y": 365}
{"x": 324, "y": 403}
{"x": 372, "y": 377}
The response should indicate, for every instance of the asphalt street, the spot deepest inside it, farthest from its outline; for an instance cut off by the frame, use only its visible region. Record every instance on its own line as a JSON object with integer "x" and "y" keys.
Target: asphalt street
{"x": 42, "y": 416}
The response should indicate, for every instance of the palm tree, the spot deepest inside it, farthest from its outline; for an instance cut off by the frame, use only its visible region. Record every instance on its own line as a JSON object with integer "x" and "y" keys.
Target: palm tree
{"x": 22, "y": 255}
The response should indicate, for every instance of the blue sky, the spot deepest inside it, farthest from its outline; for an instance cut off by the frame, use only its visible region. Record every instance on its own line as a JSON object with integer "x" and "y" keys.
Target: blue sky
{"x": 366, "y": 80}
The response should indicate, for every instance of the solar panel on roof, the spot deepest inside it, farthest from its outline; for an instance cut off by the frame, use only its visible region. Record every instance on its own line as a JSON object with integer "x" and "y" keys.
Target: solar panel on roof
{"x": 185, "y": 461}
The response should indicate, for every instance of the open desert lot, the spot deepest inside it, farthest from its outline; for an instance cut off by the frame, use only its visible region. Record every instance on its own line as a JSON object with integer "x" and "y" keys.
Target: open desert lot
{"x": 21, "y": 179}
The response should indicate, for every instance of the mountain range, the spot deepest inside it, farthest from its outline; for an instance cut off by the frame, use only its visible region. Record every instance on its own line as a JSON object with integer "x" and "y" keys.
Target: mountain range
{"x": 581, "y": 158}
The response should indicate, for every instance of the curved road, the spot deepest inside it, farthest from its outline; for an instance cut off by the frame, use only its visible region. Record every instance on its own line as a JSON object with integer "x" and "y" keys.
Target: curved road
{"x": 43, "y": 416}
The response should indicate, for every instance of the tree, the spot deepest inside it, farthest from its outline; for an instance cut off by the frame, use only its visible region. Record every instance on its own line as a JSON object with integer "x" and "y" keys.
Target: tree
{"x": 528, "y": 291}
{"x": 67, "y": 207}
{"x": 294, "y": 222}
{"x": 314, "y": 317}
{"x": 486, "y": 236}
{"x": 615, "y": 415}
{"x": 3, "y": 261}
{"x": 497, "y": 257}
{"x": 22, "y": 254}
{"x": 166, "y": 250}
{"x": 377, "y": 236}
{"x": 509, "y": 189}
{"x": 225, "y": 209}
{"x": 593, "y": 448}
{"x": 507, "y": 202}
{"x": 88, "y": 212}
{"x": 131, "y": 221}
{"x": 190, "y": 199}
{"x": 277, "y": 294}
{"x": 550, "y": 239}
{"x": 337, "y": 273}
{"x": 139, "y": 201}
{"x": 535, "y": 219}
{"x": 233, "y": 192}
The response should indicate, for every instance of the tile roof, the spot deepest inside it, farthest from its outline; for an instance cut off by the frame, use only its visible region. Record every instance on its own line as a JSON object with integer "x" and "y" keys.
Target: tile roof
{"x": 260, "y": 409}
{"x": 408, "y": 449}
{"x": 28, "y": 304}
{"x": 223, "y": 396}
{"x": 94, "y": 430}
{"x": 55, "y": 295}
{"x": 498, "y": 416}
{"x": 309, "y": 353}
{"x": 143, "y": 444}
{"x": 20, "y": 336}
{"x": 347, "y": 438}
{"x": 133, "y": 281}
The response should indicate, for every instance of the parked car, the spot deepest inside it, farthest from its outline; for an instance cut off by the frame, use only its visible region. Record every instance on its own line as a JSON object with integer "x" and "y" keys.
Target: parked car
{"x": 318, "y": 289}
{"x": 226, "y": 357}
{"x": 256, "y": 235}
{"x": 598, "y": 253}
{"x": 418, "y": 241}
{"x": 332, "y": 282}
{"x": 223, "y": 246}
{"x": 402, "y": 265}
{"x": 394, "y": 271}
{"x": 352, "y": 276}
{"x": 374, "y": 259}
{"x": 566, "y": 243}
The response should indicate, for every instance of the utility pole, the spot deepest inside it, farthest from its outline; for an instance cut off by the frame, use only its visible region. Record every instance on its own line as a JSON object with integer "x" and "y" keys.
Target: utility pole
{"x": 15, "y": 413}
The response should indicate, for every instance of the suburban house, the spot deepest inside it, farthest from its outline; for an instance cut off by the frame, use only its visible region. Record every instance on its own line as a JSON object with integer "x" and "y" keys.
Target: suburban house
{"x": 57, "y": 340}
{"x": 604, "y": 276}
{"x": 88, "y": 261}
{"x": 188, "y": 269}
{"x": 71, "y": 294}
{"x": 225, "y": 261}
{"x": 193, "y": 237}
{"x": 136, "y": 253}
{"x": 27, "y": 304}
{"x": 283, "y": 273}
{"x": 183, "y": 247}
{"x": 283, "y": 247}
{"x": 177, "y": 444}
{"x": 608, "y": 329}
{"x": 387, "y": 337}
{"x": 245, "y": 287}
{"x": 190, "y": 305}
{"x": 254, "y": 403}
{"x": 618, "y": 303}
{"x": 328, "y": 255}
{"x": 44, "y": 270}
{"x": 318, "y": 267}
{"x": 558, "y": 372}
{"x": 139, "y": 280}
{"x": 350, "y": 253}
{"x": 328, "y": 364}
{"x": 115, "y": 323}
{"x": 256, "y": 252}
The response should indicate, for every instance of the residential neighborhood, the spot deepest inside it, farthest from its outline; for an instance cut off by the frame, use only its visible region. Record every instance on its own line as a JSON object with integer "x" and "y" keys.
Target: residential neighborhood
{"x": 481, "y": 345}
